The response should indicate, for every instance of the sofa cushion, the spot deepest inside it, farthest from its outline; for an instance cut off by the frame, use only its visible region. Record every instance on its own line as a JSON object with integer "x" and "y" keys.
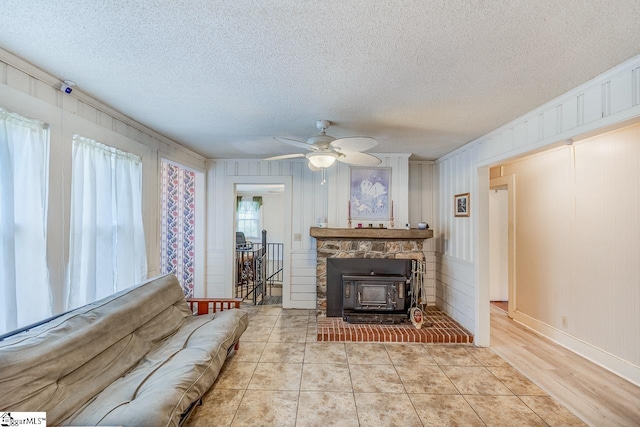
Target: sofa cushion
{"x": 168, "y": 379}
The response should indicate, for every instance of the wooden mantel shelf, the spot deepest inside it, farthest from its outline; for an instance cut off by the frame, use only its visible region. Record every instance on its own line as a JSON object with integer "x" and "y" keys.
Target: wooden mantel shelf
{"x": 370, "y": 233}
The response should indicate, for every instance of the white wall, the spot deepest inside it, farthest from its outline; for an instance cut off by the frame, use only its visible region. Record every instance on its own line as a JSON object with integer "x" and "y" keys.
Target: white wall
{"x": 273, "y": 217}
{"x": 608, "y": 101}
{"x": 29, "y": 91}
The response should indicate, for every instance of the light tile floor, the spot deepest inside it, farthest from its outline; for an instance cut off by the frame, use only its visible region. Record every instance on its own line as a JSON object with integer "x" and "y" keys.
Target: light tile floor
{"x": 282, "y": 377}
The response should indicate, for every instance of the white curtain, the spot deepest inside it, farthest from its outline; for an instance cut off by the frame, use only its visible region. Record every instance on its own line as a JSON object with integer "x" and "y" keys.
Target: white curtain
{"x": 107, "y": 246}
{"x": 25, "y": 295}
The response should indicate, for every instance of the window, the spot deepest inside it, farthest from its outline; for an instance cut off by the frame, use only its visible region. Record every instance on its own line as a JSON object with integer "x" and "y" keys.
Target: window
{"x": 178, "y": 237}
{"x": 107, "y": 245}
{"x": 24, "y": 277}
{"x": 248, "y": 217}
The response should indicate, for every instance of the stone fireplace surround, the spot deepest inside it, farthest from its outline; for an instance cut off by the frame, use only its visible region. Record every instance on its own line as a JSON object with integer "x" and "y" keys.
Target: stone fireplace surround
{"x": 368, "y": 243}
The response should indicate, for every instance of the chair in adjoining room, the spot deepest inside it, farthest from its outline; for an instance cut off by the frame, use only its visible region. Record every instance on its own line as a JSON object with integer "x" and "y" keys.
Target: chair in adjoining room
{"x": 242, "y": 244}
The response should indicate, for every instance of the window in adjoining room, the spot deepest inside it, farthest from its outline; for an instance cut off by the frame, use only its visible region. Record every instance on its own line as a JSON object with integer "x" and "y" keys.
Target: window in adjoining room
{"x": 249, "y": 216}
{"x": 24, "y": 174}
{"x": 106, "y": 242}
{"x": 178, "y": 223}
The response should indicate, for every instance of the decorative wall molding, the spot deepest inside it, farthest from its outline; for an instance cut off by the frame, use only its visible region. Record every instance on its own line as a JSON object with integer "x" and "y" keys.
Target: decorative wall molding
{"x": 608, "y": 99}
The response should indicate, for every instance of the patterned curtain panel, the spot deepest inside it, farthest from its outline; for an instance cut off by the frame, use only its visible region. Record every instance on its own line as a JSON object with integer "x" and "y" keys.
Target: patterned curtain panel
{"x": 178, "y": 224}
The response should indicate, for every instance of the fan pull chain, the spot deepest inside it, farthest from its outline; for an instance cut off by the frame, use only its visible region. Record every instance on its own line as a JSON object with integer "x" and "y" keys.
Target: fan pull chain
{"x": 323, "y": 177}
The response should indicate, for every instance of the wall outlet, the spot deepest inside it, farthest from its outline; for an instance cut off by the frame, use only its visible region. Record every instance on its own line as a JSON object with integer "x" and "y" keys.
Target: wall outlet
{"x": 565, "y": 321}
{"x": 297, "y": 237}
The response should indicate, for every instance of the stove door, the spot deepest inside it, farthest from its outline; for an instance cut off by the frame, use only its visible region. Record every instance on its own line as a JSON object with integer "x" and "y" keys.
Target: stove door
{"x": 374, "y": 296}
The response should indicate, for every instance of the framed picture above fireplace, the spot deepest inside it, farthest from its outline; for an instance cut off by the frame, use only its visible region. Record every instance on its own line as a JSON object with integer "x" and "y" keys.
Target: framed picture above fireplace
{"x": 369, "y": 197}
{"x": 462, "y": 204}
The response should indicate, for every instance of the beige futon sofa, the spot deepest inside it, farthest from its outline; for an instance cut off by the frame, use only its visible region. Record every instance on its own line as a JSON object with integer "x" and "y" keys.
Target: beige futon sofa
{"x": 136, "y": 358}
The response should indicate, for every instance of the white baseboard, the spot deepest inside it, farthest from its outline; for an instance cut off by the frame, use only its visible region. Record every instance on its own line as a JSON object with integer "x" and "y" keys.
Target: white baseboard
{"x": 309, "y": 305}
{"x": 600, "y": 357}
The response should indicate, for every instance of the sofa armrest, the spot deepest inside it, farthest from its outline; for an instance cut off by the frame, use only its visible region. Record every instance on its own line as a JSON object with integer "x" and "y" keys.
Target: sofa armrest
{"x": 212, "y": 305}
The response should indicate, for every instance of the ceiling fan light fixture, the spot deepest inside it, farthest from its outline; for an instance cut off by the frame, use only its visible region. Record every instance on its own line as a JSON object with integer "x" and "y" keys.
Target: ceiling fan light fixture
{"x": 322, "y": 160}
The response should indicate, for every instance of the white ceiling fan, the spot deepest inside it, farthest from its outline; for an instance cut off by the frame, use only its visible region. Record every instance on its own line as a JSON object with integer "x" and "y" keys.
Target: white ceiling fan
{"x": 325, "y": 149}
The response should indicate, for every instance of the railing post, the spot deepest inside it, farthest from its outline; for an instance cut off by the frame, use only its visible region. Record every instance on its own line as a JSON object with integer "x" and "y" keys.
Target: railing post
{"x": 265, "y": 263}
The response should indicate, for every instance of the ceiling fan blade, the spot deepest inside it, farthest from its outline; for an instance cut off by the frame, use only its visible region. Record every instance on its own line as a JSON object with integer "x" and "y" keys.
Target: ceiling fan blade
{"x": 296, "y": 143}
{"x": 285, "y": 156}
{"x": 353, "y": 144}
{"x": 359, "y": 159}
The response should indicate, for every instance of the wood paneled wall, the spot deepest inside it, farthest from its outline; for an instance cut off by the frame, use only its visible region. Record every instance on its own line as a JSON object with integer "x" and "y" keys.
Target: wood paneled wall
{"x": 422, "y": 209}
{"x": 310, "y": 201}
{"x": 338, "y": 190}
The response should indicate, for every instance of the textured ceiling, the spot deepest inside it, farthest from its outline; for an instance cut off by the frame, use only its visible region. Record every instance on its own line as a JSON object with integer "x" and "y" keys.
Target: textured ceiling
{"x": 223, "y": 77}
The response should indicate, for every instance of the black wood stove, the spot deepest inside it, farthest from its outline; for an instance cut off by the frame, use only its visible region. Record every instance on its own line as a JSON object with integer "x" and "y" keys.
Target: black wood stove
{"x": 368, "y": 290}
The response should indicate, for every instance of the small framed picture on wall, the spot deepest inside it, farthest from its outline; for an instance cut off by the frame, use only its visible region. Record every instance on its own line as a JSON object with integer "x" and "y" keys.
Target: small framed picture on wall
{"x": 462, "y": 204}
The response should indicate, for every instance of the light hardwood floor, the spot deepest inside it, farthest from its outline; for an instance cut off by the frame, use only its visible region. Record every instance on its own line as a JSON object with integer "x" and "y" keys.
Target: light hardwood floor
{"x": 597, "y": 396}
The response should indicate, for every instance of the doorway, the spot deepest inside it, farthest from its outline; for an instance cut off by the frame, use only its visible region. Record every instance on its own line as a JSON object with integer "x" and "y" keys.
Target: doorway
{"x": 499, "y": 247}
{"x": 502, "y": 244}
{"x": 228, "y": 224}
{"x": 259, "y": 243}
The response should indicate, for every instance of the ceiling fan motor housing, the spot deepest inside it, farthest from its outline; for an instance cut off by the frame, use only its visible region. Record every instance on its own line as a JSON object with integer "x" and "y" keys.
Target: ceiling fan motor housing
{"x": 321, "y": 141}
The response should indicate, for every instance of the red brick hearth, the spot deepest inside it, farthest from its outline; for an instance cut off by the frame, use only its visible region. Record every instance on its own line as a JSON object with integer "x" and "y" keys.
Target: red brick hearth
{"x": 443, "y": 330}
